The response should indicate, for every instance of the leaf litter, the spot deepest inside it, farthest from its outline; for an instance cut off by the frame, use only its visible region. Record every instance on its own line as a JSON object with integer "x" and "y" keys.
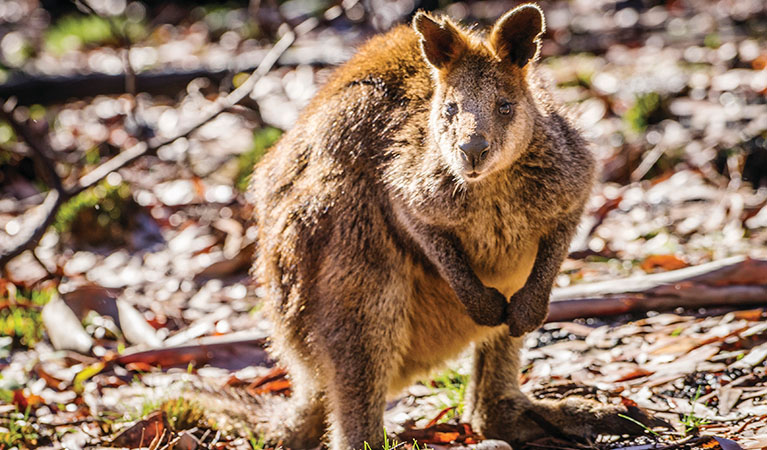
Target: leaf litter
{"x": 671, "y": 95}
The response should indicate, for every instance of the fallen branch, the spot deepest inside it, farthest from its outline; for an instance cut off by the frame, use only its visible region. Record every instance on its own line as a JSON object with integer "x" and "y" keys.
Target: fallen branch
{"x": 131, "y": 154}
{"x": 736, "y": 281}
{"x": 227, "y": 348}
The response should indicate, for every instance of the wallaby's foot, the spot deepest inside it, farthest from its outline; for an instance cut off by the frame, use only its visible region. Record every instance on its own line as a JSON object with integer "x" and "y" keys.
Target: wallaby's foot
{"x": 517, "y": 419}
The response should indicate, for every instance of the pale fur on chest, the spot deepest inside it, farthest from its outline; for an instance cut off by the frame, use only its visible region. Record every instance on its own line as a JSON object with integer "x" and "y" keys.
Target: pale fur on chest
{"x": 500, "y": 242}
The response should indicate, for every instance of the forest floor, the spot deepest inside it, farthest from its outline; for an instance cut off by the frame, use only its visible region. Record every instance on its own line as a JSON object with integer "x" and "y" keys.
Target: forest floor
{"x": 140, "y": 286}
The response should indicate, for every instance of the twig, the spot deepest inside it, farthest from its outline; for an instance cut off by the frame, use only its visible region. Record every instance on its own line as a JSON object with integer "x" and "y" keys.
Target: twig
{"x": 141, "y": 149}
{"x": 58, "y": 194}
{"x": 41, "y": 152}
{"x": 130, "y": 72}
{"x": 649, "y": 160}
{"x": 53, "y": 201}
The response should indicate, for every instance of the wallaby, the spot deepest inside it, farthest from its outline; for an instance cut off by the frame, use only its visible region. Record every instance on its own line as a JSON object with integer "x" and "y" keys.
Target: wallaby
{"x": 423, "y": 202}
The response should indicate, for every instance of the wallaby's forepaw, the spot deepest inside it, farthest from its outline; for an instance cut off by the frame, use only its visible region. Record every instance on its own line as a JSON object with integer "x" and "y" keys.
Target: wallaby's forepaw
{"x": 485, "y": 305}
{"x": 493, "y": 309}
{"x": 526, "y": 313}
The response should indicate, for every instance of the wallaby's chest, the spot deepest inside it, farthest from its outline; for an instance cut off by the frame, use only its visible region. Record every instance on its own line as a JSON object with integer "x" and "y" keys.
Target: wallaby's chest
{"x": 501, "y": 245}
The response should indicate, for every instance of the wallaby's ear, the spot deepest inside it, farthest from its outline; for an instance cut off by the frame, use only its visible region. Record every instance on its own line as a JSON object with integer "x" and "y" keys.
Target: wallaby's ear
{"x": 516, "y": 35}
{"x": 441, "y": 42}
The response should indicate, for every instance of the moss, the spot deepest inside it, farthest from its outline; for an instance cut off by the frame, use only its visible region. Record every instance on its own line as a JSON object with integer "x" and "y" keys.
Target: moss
{"x": 262, "y": 140}
{"x": 638, "y": 117}
{"x": 100, "y": 204}
{"x": 76, "y": 31}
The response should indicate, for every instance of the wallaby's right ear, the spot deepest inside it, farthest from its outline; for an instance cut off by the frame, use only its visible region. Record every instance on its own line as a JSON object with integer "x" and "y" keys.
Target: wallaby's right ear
{"x": 441, "y": 42}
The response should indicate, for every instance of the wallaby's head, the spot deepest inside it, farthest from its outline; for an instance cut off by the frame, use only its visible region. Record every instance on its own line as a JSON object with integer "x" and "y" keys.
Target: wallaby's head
{"x": 482, "y": 112}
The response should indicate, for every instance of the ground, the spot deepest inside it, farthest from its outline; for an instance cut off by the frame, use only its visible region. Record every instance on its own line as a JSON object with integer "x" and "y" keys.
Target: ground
{"x": 139, "y": 288}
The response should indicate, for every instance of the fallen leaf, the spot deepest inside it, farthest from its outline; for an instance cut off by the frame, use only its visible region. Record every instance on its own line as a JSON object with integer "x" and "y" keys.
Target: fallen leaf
{"x": 274, "y": 382}
{"x": 663, "y": 262}
{"x": 24, "y": 402}
{"x": 64, "y": 328}
{"x": 86, "y": 374}
{"x": 727, "y": 444}
{"x": 440, "y": 415}
{"x": 442, "y": 433}
{"x": 143, "y": 432}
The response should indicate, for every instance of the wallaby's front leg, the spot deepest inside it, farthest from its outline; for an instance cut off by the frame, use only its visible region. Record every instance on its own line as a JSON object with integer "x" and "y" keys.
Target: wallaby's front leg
{"x": 485, "y": 305}
{"x": 529, "y": 306}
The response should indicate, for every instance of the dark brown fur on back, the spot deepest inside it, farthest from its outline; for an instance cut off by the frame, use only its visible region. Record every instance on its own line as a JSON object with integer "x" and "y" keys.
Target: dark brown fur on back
{"x": 384, "y": 253}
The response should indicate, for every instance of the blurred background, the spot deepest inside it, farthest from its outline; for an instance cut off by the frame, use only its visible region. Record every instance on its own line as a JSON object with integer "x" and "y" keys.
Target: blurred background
{"x": 671, "y": 95}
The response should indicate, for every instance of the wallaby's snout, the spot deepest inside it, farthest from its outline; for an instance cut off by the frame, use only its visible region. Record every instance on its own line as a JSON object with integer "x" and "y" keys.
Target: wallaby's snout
{"x": 474, "y": 150}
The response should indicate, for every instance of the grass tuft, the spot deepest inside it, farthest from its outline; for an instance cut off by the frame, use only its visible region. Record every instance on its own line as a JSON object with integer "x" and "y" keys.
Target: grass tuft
{"x": 453, "y": 384}
{"x": 16, "y": 431}
{"x": 691, "y": 422}
{"x": 21, "y": 315}
{"x": 98, "y": 214}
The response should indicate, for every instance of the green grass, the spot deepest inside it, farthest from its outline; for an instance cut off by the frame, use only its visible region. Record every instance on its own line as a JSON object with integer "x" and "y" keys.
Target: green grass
{"x": 391, "y": 445}
{"x": 21, "y": 317}
{"x": 17, "y": 432}
{"x": 691, "y": 422}
{"x": 647, "y": 429}
{"x": 387, "y": 444}
{"x": 453, "y": 384}
{"x": 262, "y": 140}
{"x": 256, "y": 443}
{"x": 182, "y": 413}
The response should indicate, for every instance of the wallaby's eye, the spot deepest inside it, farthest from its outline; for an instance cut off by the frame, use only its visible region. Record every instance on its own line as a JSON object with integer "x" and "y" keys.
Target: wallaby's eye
{"x": 504, "y": 108}
{"x": 450, "y": 109}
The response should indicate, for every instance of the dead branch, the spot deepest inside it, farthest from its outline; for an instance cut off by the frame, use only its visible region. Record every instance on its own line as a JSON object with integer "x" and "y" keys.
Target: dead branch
{"x": 200, "y": 352}
{"x": 60, "y": 194}
{"x": 736, "y": 281}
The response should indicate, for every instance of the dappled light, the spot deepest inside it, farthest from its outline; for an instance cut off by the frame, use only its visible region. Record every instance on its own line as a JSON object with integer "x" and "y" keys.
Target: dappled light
{"x": 129, "y": 216}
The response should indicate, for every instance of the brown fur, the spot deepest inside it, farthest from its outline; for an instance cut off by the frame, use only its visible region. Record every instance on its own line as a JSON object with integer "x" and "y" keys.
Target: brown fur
{"x": 384, "y": 252}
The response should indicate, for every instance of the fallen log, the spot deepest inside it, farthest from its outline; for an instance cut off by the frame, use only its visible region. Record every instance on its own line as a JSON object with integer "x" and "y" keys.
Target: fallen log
{"x": 735, "y": 281}
{"x": 45, "y": 90}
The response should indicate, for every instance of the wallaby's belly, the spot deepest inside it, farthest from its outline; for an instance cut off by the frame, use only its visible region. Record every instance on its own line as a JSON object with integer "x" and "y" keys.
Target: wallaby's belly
{"x": 438, "y": 327}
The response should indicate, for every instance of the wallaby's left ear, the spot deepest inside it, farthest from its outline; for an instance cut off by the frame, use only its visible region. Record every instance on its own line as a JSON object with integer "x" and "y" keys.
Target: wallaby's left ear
{"x": 441, "y": 42}
{"x": 516, "y": 35}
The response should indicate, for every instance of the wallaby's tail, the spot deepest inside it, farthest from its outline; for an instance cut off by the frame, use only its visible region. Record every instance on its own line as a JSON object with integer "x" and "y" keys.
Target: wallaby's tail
{"x": 295, "y": 422}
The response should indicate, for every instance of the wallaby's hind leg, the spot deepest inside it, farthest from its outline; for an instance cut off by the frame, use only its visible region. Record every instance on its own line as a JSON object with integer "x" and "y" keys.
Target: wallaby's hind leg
{"x": 497, "y": 408}
{"x": 356, "y": 388}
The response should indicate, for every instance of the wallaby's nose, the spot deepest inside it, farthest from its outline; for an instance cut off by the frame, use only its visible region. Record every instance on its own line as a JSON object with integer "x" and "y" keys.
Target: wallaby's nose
{"x": 475, "y": 150}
